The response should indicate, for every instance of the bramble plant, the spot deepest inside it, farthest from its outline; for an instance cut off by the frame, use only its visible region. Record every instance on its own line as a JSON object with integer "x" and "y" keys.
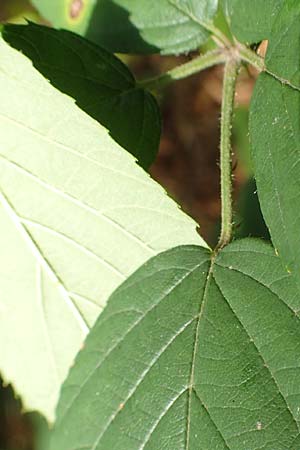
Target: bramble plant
{"x": 197, "y": 348}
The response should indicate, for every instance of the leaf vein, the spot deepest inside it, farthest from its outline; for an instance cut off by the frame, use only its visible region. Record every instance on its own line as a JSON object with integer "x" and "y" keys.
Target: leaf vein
{"x": 38, "y": 255}
{"x": 260, "y": 355}
{"x": 72, "y": 241}
{"x": 141, "y": 379}
{"x": 129, "y": 330}
{"x": 80, "y": 204}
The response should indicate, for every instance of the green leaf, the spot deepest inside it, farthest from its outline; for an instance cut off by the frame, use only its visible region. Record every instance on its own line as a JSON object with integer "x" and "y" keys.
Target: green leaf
{"x": 282, "y": 57}
{"x": 99, "y": 82}
{"x": 275, "y": 137}
{"x": 190, "y": 354}
{"x": 72, "y": 15}
{"x": 77, "y": 217}
{"x": 139, "y": 26}
{"x": 252, "y": 20}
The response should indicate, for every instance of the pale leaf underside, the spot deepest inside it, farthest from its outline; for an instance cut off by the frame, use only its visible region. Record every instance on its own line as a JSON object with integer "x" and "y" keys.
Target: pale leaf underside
{"x": 77, "y": 217}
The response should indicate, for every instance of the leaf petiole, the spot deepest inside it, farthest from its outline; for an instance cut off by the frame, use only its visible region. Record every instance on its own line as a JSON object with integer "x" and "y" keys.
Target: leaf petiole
{"x": 229, "y": 83}
{"x": 247, "y": 55}
{"x": 185, "y": 70}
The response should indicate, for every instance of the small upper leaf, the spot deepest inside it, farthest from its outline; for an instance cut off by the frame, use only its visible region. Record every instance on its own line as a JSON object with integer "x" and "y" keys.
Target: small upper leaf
{"x": 99, "y": 82}
{"x": 77, "y": 216}
{"x": 140, "y": 26}
{"x": 190, "y": 354}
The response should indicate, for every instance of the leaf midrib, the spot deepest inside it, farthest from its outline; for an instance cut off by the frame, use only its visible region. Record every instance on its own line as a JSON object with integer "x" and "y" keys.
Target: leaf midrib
{"x": 131, "y": 328}
{"x": 195, "y": 351}
{"x": 40, "y": 302}
{"x": 191, "y": 16}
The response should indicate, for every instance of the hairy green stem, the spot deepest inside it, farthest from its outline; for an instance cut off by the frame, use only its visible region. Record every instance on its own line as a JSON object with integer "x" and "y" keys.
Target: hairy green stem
{"x": 190, "y": 68}
{"x": 229, "y": 83}
{"x": 252, "y": 58}
{"x": 219, "y": 56}
{"x": 232, "y": 57}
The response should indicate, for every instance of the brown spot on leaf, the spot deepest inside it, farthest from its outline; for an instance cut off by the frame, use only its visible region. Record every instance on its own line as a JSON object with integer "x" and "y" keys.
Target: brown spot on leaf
{"x": 76, "y": 8}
